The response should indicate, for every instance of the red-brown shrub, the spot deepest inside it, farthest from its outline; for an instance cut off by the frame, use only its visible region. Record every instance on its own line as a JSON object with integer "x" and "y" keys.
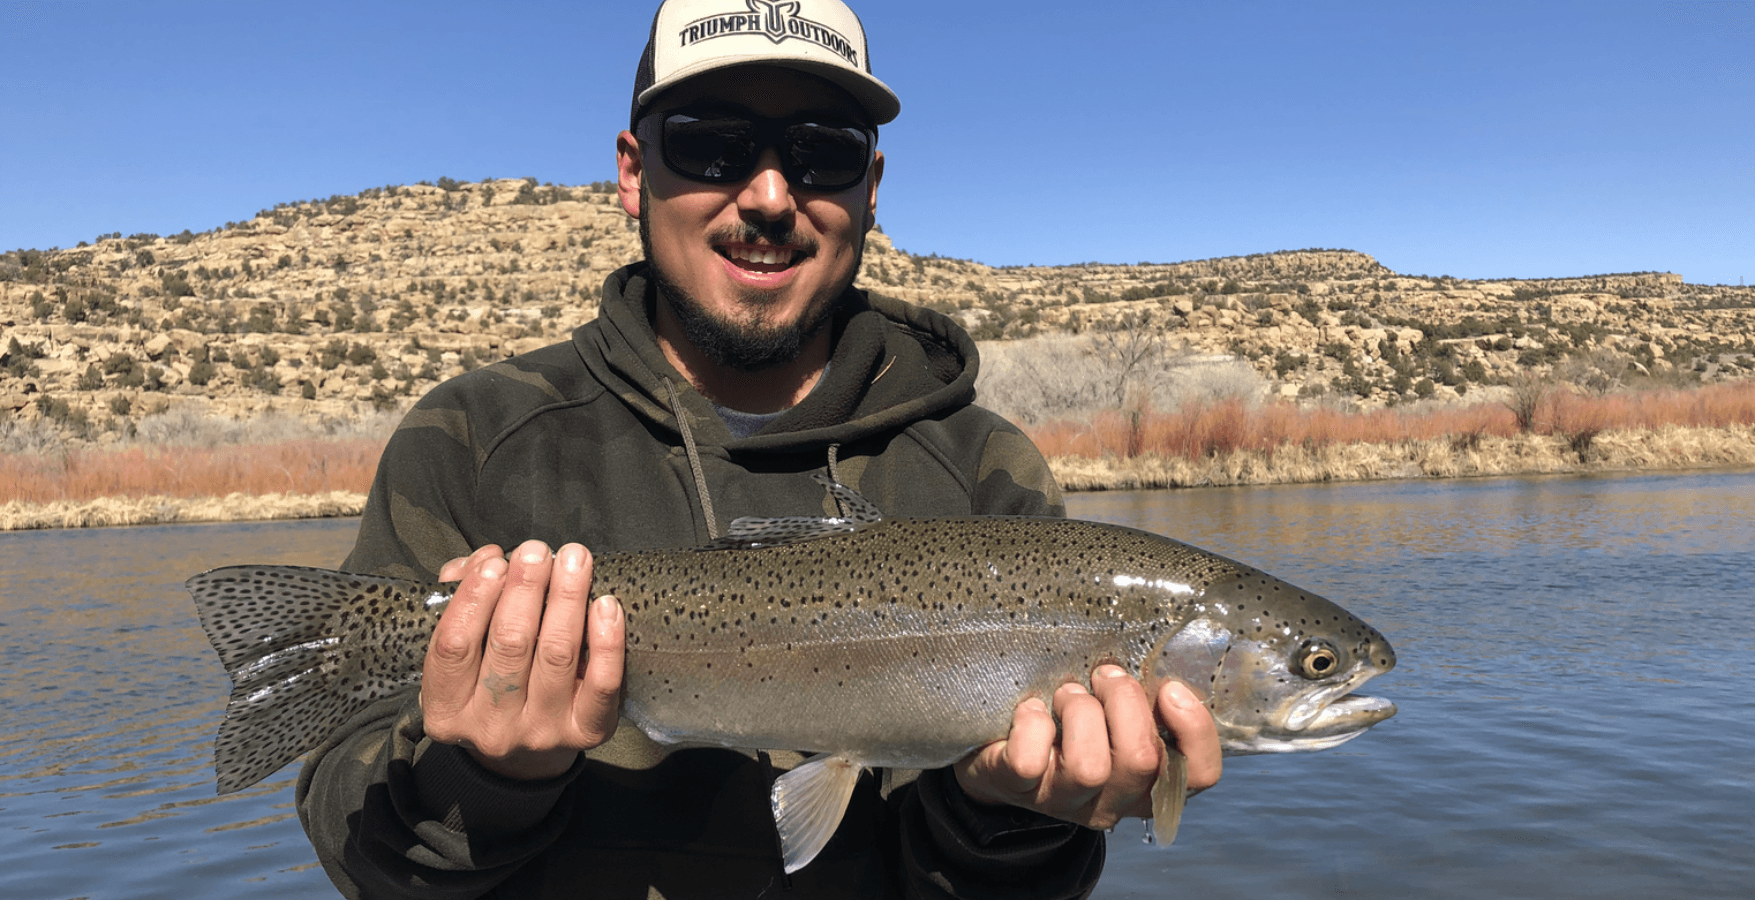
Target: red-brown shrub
{"x": 298, "y": 467}
{"x": 1209, "y": 428}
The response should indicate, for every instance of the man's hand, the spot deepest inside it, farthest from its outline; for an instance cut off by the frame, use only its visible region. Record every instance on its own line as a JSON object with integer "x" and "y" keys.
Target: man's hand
{"x": 1100, "y": 768}
{"x": 504, "y": 677}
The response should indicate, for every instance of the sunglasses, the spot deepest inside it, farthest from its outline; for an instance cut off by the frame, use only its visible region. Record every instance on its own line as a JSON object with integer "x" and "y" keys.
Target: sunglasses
{"x": 816, "y": 153}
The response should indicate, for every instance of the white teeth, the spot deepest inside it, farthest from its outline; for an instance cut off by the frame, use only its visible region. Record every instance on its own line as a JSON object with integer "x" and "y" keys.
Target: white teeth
{"x": 766, "y": 257}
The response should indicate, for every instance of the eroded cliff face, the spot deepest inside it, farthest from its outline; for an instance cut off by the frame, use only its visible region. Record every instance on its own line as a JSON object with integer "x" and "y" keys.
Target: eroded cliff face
{"x": 338, "y": 307}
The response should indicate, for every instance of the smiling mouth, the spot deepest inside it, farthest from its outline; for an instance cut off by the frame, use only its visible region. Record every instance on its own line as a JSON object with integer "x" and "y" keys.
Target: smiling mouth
{"x": 759, "y": 258}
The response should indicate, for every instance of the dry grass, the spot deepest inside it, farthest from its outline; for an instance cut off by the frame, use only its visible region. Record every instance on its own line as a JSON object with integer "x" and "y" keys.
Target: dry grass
{"x": 189, "y": 464}
{"x": 1234, "y": 442}
{"x": 1199, "y": 430}
{"x": 1216, "y": 442}
{"x": 1204, "y": 429}
{"x": 1672, "y": 447}
{"x": 294, "y": 467}
{"x": 159, "y": 509}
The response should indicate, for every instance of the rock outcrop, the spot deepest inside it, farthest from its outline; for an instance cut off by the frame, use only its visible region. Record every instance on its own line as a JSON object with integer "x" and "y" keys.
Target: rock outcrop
{"x": 333, "y": 308}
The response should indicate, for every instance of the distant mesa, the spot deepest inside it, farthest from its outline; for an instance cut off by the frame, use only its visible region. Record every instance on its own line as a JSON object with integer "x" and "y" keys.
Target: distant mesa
{"x": 353, "y": 304}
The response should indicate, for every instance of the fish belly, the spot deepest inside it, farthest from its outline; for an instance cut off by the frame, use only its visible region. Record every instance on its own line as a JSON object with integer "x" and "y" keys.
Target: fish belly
{"x": 918, "y": 700}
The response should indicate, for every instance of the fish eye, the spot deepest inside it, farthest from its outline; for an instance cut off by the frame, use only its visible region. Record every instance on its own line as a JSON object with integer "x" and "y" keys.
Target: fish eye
{"x": 1317, "y": 660}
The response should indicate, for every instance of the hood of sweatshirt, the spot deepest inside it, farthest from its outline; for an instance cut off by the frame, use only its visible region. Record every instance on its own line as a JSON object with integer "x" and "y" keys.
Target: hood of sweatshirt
{"x": 892, "y": 364}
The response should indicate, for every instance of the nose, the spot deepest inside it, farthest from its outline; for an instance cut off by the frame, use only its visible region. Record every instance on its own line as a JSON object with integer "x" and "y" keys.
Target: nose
{"x": 766, "y": 195}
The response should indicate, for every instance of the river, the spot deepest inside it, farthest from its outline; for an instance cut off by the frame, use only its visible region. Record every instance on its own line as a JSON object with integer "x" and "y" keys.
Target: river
{"x": 1573, "y": 716}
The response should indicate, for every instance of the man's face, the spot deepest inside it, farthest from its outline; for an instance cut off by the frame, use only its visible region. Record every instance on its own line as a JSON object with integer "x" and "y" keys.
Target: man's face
{"x": 751, "y": 269}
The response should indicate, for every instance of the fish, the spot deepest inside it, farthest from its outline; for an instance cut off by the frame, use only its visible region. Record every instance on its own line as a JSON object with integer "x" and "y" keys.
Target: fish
{"x": 868, "y": 641}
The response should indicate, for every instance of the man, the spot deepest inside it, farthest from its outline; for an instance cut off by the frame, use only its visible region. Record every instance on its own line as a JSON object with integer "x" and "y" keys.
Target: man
{"x": 722, "y": 372}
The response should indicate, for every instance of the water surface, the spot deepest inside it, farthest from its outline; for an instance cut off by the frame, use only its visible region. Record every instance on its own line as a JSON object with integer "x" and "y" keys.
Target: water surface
{"x": 1574, "y": 723}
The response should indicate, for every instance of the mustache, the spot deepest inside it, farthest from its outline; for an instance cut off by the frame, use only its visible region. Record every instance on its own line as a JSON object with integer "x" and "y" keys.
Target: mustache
{"x": 778, "y": 233}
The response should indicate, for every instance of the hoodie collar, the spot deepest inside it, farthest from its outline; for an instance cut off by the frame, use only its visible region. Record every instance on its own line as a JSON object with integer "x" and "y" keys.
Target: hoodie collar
{"x": 892, "y": 364}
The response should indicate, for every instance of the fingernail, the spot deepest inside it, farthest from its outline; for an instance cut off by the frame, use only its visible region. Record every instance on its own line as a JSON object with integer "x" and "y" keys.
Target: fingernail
{"x": 572, "y": 557}
{"x": 1036, "y": 704}
{"x": 533, "y": 552}
{"x": 1110, "y": 670}
{"x": 1075, "y": 687}
{"x": 493, "y": 569}
{"x": 1181, "y": 697}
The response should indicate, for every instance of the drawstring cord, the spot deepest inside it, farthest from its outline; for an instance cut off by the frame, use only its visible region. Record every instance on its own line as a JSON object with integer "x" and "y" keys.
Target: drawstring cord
{"x": 682, "y": 425}
{"x": 694, "y": 454}
{"x": 835, "y": 476}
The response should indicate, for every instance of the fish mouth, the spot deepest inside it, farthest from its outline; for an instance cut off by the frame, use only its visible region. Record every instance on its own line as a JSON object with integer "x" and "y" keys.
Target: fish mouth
{"x": 1353, "y": 713}
{"x": 1335, "y": 724}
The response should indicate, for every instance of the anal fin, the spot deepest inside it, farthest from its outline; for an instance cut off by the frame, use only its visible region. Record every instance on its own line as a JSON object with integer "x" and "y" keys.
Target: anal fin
{"x": 808, "y": 804}
{"x": 1169, "y": 793}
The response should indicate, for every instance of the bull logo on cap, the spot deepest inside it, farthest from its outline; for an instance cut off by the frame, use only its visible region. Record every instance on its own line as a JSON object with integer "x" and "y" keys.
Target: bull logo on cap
{"x": 774, "y": 14}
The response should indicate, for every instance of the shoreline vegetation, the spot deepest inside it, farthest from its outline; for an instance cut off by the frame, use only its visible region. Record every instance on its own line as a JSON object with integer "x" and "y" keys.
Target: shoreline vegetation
{"x": 1536, "y": 430}
{"x": 254, "y": 370}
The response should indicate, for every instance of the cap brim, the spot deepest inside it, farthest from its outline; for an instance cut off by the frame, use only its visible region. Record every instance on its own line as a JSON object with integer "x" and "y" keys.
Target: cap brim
{"x": 879, "y": 102}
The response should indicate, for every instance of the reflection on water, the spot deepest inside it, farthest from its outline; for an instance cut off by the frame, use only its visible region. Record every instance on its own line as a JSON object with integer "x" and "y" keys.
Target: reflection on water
{"x": 111, "y": 699}
{"x": 1572, "y": 654}
{"x": 1573, "y": 719}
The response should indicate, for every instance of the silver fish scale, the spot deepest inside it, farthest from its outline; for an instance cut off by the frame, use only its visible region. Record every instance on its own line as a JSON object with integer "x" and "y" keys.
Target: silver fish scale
{"x": 843, "y": 643}
{"x": 904, "y": 643}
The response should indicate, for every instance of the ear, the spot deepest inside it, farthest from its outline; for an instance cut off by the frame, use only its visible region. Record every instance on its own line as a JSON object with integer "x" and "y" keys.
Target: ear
{"x": 871, "y": 188}
{"x": 630, "y": 168}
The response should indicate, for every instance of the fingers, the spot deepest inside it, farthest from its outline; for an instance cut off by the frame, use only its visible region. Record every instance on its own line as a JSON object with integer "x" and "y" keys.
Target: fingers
{"x": 1133, "y": 747}
{"x": 1029, "y": 747}
{"x": 1084, "y": 741}
{"x": 512, "y": 635}
{"x": 448, "y": 679}
{"x": 555, "y": 666}
{"x": 453, "y": 570}
{"x": 524, "y": 669}
{"x": 1010, "y": 771}
{"x": 1195, "y": 733}
{"x": 1109, "y": 749}
{"x": 598, "y": 698}
{"x": 1099, "y": 765}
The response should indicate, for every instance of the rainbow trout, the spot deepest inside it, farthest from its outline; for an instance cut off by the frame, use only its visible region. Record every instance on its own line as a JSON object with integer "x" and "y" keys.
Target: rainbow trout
{"x": 872, "y": 642}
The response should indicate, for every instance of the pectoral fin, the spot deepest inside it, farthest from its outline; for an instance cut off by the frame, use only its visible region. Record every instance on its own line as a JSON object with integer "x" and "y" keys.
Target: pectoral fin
{"x": 808, "y": 804}
{"x": 1168, "y": 794}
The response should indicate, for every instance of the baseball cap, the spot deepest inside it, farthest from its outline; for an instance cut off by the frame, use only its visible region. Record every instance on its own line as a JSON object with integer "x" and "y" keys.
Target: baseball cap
{"x": 821, "y": 37}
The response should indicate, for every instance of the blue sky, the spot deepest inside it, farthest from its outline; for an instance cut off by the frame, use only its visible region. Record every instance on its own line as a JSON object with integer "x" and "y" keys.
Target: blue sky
{"x": 1479, "y": 140}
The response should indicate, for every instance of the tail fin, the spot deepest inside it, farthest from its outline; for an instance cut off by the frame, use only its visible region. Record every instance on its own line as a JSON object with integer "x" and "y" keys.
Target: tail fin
{"x": 283, "y": 633}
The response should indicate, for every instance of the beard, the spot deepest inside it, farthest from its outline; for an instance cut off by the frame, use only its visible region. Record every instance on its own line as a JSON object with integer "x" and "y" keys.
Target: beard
{"x": 748, "y": 344}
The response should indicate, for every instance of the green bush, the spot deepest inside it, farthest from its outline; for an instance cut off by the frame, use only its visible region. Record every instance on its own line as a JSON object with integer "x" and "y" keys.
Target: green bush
{"x": 264, "y": 380}
{"x": 176, "y": 284}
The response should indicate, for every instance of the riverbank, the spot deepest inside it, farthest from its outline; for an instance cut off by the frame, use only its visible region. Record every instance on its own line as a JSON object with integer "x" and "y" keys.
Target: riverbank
{"x": 1475, "y": 455}
{"x": 1657, "y": 449}
{"x": 18, "y": 515}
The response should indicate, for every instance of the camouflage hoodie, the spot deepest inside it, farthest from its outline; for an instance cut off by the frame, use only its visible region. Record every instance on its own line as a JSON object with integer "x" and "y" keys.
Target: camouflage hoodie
{"x": 600, "y": 440}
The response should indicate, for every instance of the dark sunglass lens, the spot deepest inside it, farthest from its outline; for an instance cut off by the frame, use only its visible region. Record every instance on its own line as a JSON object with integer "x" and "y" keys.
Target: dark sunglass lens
{"x": 827, "y": 156}
{"x": 720, "y": 149}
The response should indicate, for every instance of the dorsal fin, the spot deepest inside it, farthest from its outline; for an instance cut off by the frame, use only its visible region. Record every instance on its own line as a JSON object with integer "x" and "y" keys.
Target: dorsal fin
{"x": 751, "y": 532}
{"x": 854, "y": 507}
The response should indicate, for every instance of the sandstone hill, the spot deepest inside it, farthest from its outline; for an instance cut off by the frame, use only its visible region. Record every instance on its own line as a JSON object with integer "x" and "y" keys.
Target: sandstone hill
{"x": 330, "y": 309}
